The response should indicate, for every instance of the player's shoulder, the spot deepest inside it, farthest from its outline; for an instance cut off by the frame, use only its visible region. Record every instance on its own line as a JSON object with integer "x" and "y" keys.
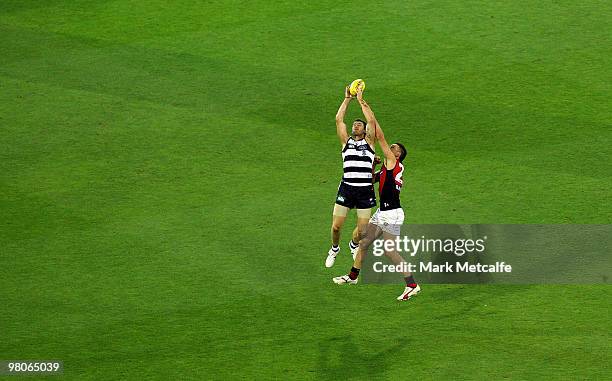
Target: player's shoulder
{"x": 399, "y": 169}
{"x": 348, "y": 143}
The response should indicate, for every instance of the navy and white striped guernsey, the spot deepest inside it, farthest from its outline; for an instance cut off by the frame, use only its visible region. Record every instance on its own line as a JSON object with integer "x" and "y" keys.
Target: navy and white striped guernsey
{"x": 358, "y": 159}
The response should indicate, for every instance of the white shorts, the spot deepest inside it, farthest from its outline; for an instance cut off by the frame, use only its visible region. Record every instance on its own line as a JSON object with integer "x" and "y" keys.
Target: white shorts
{"x": 389, "y": 221}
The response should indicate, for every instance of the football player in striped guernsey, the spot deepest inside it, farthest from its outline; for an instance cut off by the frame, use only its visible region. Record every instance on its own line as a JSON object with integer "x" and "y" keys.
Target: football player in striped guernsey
{"x": 389, "y": 218}
{"x": 356, "y": 190}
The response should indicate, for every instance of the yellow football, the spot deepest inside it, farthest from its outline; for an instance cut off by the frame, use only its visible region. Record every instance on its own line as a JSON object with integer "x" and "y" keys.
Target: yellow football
{"x": 355, "y": 85}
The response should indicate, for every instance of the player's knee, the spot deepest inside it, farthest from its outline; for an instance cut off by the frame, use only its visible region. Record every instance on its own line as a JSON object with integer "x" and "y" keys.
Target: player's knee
{"x": 336, "y": 228}
{"x": 365, "y": 242}
{"x": 362, "y": 234}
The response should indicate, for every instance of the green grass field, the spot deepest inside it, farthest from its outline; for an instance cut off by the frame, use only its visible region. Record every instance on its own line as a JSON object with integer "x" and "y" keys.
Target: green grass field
{"x": 168, "y": 171}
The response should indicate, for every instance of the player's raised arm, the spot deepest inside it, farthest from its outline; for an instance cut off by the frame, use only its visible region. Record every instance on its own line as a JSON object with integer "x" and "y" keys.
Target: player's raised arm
{"x": 370, "y": 118}
{"x": 340, "y": 125}
{"x": 389, "y": 155}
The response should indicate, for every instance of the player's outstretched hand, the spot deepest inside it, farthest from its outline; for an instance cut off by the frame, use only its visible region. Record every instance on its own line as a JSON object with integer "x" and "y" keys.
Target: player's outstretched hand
{"x": 359, "y": 93}
{"x": 347, "y": 93}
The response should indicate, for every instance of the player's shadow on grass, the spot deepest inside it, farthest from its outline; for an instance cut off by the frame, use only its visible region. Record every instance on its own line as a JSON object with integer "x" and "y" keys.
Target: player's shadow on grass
{"x": 473, "y": 299}
{"x": 341, "y": 358}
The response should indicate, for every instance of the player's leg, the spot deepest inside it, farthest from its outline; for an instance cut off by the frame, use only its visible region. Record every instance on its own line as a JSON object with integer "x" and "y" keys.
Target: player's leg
{"x": 354, "y": 242}
{"x": 366, "y": 200}
{"x": 395, "y": 219}
{"x": 371, "y": 233}
{"x": 338, "y": 218}
{"x": 412, "y": 288}
{"x": 345, "y": 200}
{"x": 363, "y": 217}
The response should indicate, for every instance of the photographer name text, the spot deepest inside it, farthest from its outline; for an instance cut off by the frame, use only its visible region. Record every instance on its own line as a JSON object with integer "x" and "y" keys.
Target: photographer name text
{"x": 447, "y": 267}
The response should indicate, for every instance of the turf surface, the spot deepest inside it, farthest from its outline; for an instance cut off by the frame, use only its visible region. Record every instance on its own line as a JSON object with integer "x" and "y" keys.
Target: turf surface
{"x": 168, "y": 169}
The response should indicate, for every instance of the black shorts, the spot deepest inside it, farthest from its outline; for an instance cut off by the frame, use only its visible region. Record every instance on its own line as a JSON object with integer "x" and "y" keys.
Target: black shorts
{"x": 356, "y": 197}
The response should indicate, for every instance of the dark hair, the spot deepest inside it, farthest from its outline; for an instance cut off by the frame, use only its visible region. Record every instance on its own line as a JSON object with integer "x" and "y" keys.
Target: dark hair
{"x": 362, "y": 121}
{"x": 404, "y": 152}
